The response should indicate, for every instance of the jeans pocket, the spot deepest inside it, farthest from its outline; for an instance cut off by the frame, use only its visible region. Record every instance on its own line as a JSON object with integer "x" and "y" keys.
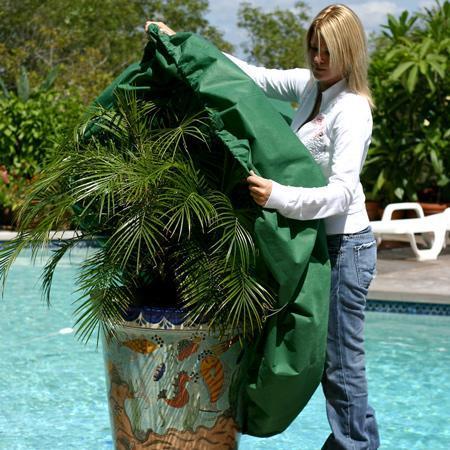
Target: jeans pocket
{"x": 365, "y": 262}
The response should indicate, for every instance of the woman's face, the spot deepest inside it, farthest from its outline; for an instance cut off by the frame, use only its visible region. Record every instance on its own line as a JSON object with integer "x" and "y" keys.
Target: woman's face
{"x": 320, "y": 64}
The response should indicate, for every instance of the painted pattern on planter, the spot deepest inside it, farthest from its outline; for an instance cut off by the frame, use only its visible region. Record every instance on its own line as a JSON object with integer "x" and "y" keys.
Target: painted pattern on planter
{"x": 169, "y": 387}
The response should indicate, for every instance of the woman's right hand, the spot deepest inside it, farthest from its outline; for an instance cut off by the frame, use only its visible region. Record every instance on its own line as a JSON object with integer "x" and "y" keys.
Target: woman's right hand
{"x": 162, "y": 26}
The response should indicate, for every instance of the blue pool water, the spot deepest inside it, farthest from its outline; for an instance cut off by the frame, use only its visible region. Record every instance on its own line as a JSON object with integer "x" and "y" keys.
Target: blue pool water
{"x": 52, "y": 388}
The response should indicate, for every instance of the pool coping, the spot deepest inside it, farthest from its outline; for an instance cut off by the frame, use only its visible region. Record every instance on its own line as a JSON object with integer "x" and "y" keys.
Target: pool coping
{"x": 390, "y": 306}
{"x": 54, "y": 235}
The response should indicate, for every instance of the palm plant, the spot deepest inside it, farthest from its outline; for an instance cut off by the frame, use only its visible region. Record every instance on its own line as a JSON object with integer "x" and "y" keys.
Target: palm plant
{"x": 164, "y": 202}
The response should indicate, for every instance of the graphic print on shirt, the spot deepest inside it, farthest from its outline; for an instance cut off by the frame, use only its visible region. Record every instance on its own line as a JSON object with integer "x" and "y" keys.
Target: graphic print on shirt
{"x": 314, "y": 137}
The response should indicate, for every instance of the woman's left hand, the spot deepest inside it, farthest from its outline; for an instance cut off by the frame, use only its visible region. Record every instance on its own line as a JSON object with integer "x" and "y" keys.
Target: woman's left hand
{"x": 260, "y": 188}
{"x": 161, "y": 25}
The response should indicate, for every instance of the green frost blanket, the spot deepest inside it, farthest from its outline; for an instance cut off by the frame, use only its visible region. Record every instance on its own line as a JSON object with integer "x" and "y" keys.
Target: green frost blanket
{"x": 286, "y": 363}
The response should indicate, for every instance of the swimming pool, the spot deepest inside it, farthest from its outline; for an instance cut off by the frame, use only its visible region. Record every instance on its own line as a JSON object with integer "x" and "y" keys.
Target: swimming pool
{"x": 52, "y": 388}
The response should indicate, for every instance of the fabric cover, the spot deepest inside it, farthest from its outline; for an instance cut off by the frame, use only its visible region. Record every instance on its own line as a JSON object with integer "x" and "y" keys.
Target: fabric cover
{"x": 287, "y": 360}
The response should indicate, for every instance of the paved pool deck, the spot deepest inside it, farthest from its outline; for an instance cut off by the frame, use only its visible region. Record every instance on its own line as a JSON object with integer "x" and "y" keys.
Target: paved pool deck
{"x": 400, "y": 277}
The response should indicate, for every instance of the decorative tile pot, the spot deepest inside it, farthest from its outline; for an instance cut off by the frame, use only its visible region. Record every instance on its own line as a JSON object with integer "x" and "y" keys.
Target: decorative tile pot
{"x": 169, "y": 385}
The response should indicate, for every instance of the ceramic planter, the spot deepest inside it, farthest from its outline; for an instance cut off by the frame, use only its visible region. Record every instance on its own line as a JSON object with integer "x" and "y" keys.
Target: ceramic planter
{"x": 373, "y": 209}
{"x": 433, "y": 208}
{"x": 171, "y": 386}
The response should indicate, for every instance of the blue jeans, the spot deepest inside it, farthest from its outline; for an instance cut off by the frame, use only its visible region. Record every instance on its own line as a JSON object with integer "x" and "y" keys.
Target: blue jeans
{"x": 352, "y": 420}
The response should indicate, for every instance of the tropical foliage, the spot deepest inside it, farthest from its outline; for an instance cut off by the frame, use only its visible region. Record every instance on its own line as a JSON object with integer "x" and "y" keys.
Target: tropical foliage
{"x": 409, "y": 74}
{"x": 32, "y": 120}
{"x": 164, "y": 200}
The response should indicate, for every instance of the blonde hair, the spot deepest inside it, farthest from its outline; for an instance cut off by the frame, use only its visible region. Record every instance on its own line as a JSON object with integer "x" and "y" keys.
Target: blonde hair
{"x": 344, "y": 36}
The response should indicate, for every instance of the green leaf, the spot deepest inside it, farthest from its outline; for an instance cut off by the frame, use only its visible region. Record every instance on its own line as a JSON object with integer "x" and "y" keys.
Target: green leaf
{"x": 423, "y": 66}
{"x": 235, "y": 240}
{"x": 399, "y": 192}
{"x": 50, "y": 266}
{"x": 436, "y": 162}
{"x": 400, "y": 69}
{"x": 438, "y": 68}
{"x": 50, "y": 79}
{"x": 412, "y": 79}
{"x": 391, "y": 54}
{"x": 444, "y": 180}
{"x": 425, "y": 46}
{"x": 23, "y": 85}
{"x": 380, "y": 181}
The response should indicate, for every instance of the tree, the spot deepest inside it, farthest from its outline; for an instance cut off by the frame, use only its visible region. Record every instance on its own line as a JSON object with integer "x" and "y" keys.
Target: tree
{"x": 276, "y": 39}
{"x": 76, "y": 47}
{"x": 89, "y": 40}
{"x": 409, "y": 75}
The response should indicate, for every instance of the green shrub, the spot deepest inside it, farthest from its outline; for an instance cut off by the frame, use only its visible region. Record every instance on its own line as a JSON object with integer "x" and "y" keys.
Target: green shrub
{"x": 409, "y": 75}
{"x": 31, "y": 126}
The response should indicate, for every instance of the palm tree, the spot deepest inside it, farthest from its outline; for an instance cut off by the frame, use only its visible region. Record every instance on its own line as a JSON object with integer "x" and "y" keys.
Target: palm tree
{"x": 164, "y": 201}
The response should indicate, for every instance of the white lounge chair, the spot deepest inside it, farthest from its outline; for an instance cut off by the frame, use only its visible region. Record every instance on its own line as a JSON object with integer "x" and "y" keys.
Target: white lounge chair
{"x": 437, "y": 224}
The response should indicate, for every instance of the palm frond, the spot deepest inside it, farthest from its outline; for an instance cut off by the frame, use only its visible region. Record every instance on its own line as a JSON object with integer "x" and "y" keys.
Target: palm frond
{"x": 246, "y": 301}
{"x": 171, "y": 140}
{"x": 225, "y": 297}
{"x": 50, "y": 266}
{"x": 10, "y": 251}
{"x": 186, "y": 202}
{"x": 139, "y": 232}
{"x": 100, "y": 310}
{"x": 104, "y": 299}
{"x": 234, "y": 239}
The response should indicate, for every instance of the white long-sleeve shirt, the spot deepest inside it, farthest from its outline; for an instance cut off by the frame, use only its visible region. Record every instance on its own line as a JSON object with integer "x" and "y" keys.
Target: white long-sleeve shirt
{"x": 338, "y": 138}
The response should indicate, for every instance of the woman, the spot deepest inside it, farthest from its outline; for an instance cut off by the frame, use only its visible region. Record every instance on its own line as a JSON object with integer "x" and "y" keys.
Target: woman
{"x": 334, "y": 122}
